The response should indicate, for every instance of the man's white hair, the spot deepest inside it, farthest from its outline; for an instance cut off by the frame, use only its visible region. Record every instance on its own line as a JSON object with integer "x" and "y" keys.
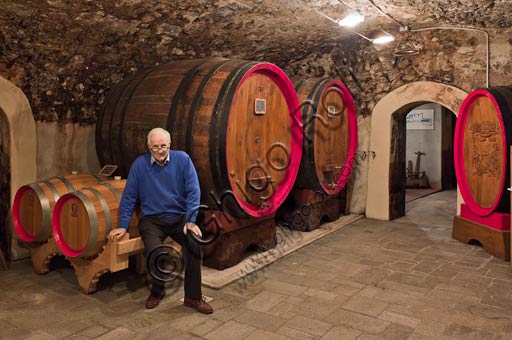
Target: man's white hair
{"x": 158, "y": 131}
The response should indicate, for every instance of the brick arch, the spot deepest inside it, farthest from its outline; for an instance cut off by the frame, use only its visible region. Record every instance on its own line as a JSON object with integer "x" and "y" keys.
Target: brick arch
{"x": 388, "y": 110}
{"x": 19, "y": 135}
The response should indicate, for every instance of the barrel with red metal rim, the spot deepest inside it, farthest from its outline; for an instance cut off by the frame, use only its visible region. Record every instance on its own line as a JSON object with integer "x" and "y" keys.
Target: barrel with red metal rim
{"x": 34, "y": 203}
{"x": 238, "y": 120}
{"x": 483, "y": 135}
{"x": 330, "y": 134}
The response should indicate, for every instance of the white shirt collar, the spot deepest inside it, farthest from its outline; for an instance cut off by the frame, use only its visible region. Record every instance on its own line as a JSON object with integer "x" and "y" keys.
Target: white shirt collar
{"x": 153, "y": 160}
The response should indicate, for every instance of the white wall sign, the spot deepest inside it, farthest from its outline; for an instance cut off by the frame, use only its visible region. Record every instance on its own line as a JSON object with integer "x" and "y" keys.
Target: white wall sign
{"x": 420, "y": 120}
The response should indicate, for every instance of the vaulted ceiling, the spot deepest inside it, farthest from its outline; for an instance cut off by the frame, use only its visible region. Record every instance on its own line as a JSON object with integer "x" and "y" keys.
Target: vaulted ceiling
{"x": 61, "y": 51}
{"x": 266, "y": 26}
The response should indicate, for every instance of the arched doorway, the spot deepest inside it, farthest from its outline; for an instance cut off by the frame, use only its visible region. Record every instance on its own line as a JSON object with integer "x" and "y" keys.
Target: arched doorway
{"x": 386, "y": 169}
{"x": 17, "y": 155}
{"x": 429, "y": 151}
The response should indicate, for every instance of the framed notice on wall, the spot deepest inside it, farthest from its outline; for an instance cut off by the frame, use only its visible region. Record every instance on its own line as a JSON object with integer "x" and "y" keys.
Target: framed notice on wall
{"x": 420, "y": 120}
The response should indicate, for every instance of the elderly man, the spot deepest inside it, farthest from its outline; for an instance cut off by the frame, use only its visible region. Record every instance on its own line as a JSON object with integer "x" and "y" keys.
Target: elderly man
{"x": 165, "y": 181}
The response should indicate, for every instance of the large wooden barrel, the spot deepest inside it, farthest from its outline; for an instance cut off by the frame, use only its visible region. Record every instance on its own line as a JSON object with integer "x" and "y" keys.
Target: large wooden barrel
{"x": 330, "y": 134}
{"x": 34, "y": 203}
{"x": 238, "y": 120}
{"x": 483, "y": 135}
{"x": 82, "y": 219}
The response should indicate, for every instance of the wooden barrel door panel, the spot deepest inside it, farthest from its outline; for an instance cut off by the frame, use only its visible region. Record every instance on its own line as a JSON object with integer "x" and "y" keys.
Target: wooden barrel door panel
{"x": 330, "y": 129}
{"x": 74, "y": 214}
{"x": 31, "y": 213}
{"x": 331, "y": 139}
{"x": 483, "y": 152}
{"x": 257, "y": 151}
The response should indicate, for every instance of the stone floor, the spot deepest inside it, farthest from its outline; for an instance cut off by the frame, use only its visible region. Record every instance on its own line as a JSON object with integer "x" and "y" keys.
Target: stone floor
{"x": 413, "y": 194}
{"x": 405, "y": 279}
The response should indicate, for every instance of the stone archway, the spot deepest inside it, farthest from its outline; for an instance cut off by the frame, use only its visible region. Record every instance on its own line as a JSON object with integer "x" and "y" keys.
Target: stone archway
{"x": 384, "y": 126}
{"x": 18, "y": 135}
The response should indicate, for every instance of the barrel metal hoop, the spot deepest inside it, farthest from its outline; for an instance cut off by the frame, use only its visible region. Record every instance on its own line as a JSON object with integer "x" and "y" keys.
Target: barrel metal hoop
{"x": 93, "y": 222}
{"x": 197, "y": 101}
{"x": 114, "y": 110}
{"x": 213, "y": 131}
{"x": 307, "y": 176}
{"x": 503, "y": 100}
{"x": 46, "y": 219}
{"x": 104, "y": 206}
{"x": 298, "y": 85}
{"x": 177, "y": 96}
{"x": 67, "y": 183}
{"x": 123, "y": 117}
{"x": 308, "y": 116}
{"x": 116, "y": 93}
{"x": 316, "y": 95}
{"x": 52, "y": 188}
{"x": 117, "y": 193}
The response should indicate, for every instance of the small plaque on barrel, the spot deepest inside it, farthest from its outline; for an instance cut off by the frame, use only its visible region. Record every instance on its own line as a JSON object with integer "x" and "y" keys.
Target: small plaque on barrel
{"x": 260, "y": 106}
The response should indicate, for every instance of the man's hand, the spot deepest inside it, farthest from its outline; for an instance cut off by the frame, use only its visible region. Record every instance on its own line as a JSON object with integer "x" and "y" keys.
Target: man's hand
{"x": 192, "y": 227}
{"x": 116, "y": 233}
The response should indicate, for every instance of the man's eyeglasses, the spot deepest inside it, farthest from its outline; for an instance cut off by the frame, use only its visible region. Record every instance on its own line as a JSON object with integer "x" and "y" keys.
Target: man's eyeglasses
{"x": 158, "y": 148}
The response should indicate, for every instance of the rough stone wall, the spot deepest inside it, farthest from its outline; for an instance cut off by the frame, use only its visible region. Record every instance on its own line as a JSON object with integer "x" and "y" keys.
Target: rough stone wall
{"x": 451, "y": 57}
{"x": 65, "y": 55}
{"x": 63, "y": 148}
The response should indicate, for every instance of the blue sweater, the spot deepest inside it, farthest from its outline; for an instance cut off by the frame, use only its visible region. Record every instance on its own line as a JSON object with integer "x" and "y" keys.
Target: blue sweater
{"x": 167, "y": 191}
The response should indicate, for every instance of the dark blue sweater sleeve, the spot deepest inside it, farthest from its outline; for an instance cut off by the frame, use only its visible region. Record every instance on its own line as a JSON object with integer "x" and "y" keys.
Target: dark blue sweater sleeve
{"x": 192, "y": 191}
{"x": 129, "y": 197}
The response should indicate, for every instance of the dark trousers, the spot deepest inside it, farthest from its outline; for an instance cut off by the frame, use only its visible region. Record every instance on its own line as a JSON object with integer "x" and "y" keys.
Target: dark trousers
{"x": 153, "y": 231}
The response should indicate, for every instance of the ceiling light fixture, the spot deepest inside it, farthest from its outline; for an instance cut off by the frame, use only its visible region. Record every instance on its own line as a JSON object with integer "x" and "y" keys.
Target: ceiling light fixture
{"x": 351, "y": 20}
{"x": 380, "y": 40}
{"x": 383, "y": 39}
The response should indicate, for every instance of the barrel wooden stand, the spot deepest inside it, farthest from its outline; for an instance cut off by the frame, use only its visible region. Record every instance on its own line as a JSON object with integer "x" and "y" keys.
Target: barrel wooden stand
{"x": 308, "y": 208}
{"x": 113, "y": 258}
{"x": 235, "y": 237}
{"x": 42, "y": 254}
{"x": 495, "y": 242}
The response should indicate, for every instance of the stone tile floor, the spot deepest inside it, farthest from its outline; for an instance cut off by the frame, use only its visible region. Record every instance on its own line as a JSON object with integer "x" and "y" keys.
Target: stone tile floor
{"x": 404, "y": 279}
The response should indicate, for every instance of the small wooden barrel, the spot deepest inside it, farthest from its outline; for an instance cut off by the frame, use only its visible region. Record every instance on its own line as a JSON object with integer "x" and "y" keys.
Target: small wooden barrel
{"x": 34, "y": 203}
{"x": 330, "y": 134}
{"x": 483, "y": 134}
{"x": 82, "y": 219}
{"x": 238, "y": 120}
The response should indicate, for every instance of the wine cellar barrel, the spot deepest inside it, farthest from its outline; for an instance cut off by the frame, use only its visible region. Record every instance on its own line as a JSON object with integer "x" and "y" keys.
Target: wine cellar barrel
{"x": 34, "y": 203}
{"x": 238, "y": 120}
{"x": 82, "y": 219}
{"x": 481, "y": 143}
{"x": 330, "y": 134}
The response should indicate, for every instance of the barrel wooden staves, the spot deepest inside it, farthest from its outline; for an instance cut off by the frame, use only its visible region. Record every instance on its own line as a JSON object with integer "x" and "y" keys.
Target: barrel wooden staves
{"x": 330, "y": 134}
{"x": 82, "y": 219}
{"x": 34, "y": 203}
{"x": 238, "y": 120}
{"x": 483, "y": 135}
